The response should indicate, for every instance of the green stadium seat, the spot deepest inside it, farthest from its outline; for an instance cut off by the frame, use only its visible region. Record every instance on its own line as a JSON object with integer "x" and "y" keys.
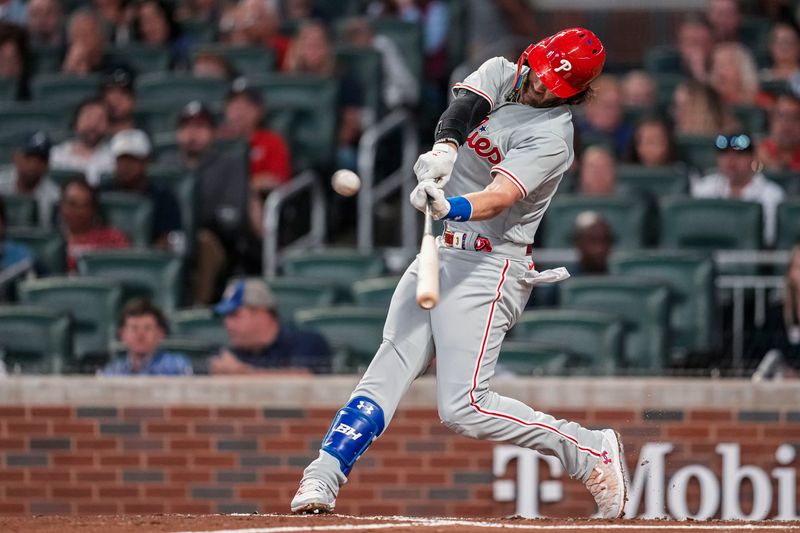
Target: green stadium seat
{"x": 246, "y": 60}
{"x": 22, "y": 119}
{"x": 752, "y": 118}
{"x": 690, "y": 278}
{"x": 342, "y": 267}
{"x": 666, "y": 82}
{"x": 526, "y": 358}
{"x": 643, "y": 306}
{"x": 626, "y": 215}
{"x": 327, "y": 10}
{"x": 295, "y": 294}
{"x": 130, "y": 213}
{"x": 155, "y": 275}
{"x": 653, "y": 182}
{"x": 698, "y": 151}
{"x": 65, "y": 87}
{"x": 92, "y": 304}
{"x": 47, "y": 246}
{"x": 375, "y": 292}
{"x": 45, "y": 59}
{"x": 141, "y": 57}
{"x": 358, "y": 331}
{"x": 710, "y": 224}
{"x": 788, "y": 180}
{"x": 663, "y": 59}
{"x": 408, "y": 38}
{"x": 62, "y": 176}
{"x": 35, "y": 340}
{"x": 199, "y": 323}
{"x": 367, "y": 67}
{"x": 198, "y": 351}
{"x": 20, "y": 210}
{"x": 593, "y": 339}
{"x": 179, "y": 89}
{"x": 304, "y": 110}
{"x": 199, "y": 31}
{"x": 8, "y": 88}
{"x": 788, "y": 224}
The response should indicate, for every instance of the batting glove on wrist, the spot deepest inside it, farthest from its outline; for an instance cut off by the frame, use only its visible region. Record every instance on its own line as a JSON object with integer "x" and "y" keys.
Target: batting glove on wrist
{"x": 427, "y": 191}
{"x": 436, "y": 165}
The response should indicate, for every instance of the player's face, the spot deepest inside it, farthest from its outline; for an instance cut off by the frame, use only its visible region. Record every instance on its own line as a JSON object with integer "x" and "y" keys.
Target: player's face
{"x": 537, "y": 95}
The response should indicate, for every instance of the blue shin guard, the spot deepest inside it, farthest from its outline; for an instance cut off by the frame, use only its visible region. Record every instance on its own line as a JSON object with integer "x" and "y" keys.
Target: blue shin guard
{"x": 356, "y": 425}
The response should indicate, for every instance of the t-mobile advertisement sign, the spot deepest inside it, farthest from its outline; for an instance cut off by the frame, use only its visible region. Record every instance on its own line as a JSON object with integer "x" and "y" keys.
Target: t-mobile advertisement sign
{"x": 654, "y": 494}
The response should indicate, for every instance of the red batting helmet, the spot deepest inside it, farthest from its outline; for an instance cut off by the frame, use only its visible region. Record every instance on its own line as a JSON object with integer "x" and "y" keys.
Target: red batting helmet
{"x": 566, "y": 62}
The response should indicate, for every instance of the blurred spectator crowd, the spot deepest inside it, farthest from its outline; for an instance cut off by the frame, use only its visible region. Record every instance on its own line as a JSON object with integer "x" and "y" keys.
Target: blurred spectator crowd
{"x": 140, "y": 139}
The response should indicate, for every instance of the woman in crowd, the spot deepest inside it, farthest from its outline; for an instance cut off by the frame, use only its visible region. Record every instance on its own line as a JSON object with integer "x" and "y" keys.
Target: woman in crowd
{"x": 82, "y": 224}
{"x": 154, "y": 25}
{"x": 734, "y": 76}
{"x": 653, "y": 143}
{"x": 784, "y": 52}
{"x": 697, "y": 110}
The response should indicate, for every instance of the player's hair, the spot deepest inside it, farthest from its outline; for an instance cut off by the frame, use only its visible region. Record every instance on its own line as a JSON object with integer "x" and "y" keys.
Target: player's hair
{"x": 143, "y": 307}
{"x": 583, "y": 96}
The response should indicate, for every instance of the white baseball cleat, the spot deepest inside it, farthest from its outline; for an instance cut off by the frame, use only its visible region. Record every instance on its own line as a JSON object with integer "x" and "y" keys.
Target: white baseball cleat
{"x": 607, "y": 481}
{"x": 313, "y": 497}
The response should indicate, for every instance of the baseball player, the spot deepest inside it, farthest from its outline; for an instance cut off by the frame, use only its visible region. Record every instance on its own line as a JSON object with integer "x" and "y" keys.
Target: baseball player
{"x": 506, "y": 140}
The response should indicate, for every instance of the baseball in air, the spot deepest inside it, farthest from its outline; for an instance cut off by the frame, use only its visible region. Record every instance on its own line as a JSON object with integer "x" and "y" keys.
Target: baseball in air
{"x": 345, "y": 182}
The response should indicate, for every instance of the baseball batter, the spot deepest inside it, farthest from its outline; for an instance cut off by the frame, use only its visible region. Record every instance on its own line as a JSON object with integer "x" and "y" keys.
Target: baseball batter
{"x": 506, "y": 139}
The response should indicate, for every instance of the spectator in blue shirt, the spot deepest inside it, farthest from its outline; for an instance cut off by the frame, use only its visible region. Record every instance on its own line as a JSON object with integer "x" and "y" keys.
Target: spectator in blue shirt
{"x": 259, "y": 343}
{"x": 12, "y": 254}
{"x": 142, "y": 328}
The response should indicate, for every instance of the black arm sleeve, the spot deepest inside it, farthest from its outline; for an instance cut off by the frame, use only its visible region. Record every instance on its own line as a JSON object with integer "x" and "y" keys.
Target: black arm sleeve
{"x": 461, "y": 116}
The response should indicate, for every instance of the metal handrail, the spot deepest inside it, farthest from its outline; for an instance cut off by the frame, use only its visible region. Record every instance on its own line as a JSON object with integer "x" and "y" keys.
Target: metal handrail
{"x": 305, "y": 181}
{"x": 371, "y": 193}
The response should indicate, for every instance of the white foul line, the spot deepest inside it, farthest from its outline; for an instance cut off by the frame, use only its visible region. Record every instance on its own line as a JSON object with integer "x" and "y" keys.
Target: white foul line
{"x": 422, "y": 522}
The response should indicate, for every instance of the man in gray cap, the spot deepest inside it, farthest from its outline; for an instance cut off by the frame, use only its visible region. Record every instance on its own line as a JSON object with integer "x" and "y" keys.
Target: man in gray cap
{"x": 28, "y": 175}
{"x": 259, "y": 343}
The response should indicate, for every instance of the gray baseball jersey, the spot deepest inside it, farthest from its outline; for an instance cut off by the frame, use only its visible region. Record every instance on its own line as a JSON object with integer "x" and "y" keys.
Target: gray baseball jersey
{"x": 532, "y": 147}
{"x": 482, "y": 294}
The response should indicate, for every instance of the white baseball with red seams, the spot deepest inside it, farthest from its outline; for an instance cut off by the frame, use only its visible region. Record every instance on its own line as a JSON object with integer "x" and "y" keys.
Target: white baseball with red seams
{"x": 483, "y": 294}
{"x": 345, "y": 182}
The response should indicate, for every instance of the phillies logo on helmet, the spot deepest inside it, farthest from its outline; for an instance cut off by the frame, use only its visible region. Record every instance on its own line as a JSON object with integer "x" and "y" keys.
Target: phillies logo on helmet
{"x": 566, "y": 62}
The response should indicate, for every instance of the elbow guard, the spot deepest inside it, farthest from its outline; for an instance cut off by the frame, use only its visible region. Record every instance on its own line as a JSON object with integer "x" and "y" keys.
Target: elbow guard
{"x": 461, "y": 117}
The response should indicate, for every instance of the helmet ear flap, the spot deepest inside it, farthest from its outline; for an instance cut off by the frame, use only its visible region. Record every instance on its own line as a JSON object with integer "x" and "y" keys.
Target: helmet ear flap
{"x": 521, "y": 62}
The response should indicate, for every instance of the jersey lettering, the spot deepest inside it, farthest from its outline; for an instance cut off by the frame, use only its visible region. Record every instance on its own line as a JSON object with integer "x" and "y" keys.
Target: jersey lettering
{"x": 483, "y": 146}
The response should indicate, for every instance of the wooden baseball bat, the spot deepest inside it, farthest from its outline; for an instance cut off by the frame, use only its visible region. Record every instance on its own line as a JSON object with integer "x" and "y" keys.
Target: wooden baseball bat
{"x": 428, "y": 273}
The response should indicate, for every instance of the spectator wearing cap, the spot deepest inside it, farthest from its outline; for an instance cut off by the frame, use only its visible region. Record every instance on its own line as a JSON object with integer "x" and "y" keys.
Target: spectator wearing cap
{"x": 142, "y": 329}
{"x": 739, "y": 177}
{"x": 780, "y": 150}
{"x": 593, "y": 240}
{"x": 45, "y": 23}
{"x": 269, "y": 153}
{"x": 117, "y": 93}
{"x": 132, "y": 151}
{"x": 225, "y": 238}
{"x": 88, "y": 151}
{"x": 259, "y": 343}
{"x": 82, "y": 223}
{"x": 28, "y": 176}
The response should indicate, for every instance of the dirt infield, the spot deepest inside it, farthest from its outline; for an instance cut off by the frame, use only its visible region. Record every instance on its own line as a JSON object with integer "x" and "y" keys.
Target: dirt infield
{"x": 397, "y": 524}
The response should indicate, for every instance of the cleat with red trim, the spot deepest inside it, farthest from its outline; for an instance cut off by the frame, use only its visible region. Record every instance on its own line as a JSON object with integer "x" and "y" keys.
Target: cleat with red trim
{"x": 607, "y": 481}
{"x": 313, "y": 497}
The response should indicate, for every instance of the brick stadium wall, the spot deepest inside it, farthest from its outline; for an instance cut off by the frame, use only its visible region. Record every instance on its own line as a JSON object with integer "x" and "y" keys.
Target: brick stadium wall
{"x": 154, "y": 453}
